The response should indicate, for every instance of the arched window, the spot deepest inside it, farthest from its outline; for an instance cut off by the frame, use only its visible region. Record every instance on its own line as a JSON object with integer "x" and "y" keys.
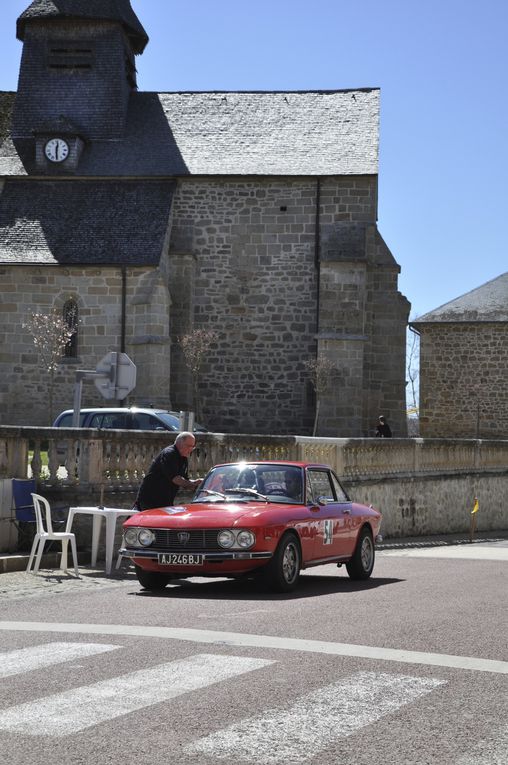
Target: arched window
{"x": 70, "y": 317}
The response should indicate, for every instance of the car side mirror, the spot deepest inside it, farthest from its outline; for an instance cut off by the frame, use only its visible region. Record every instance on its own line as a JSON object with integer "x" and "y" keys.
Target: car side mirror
{"x": 322, "y": 500}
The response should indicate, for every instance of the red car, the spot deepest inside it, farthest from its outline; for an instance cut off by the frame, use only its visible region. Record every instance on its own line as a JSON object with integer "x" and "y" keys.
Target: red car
{"x": 263, "y": 519}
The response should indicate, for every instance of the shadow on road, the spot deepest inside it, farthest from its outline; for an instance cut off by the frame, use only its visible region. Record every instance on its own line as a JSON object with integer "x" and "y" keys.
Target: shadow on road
{"x": 230, "y": 589}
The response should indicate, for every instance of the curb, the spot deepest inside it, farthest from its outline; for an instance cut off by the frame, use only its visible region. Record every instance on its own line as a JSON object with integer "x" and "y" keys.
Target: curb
{"x": 10, "y": 563}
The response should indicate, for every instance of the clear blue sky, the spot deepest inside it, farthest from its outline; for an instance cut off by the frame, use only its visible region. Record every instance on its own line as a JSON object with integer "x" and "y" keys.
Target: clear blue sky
{"x": 442, "y": 69}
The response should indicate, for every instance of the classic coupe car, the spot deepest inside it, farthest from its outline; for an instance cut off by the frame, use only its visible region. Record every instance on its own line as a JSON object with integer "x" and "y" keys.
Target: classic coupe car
{"x": 263, "y": 519}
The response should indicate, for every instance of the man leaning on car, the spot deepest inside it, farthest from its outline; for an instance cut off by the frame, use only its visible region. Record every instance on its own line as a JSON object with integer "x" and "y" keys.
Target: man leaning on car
{"x": 167, "y": 473}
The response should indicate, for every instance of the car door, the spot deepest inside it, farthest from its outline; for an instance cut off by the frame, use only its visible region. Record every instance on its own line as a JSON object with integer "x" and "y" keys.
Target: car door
{"x": 332, "y": 513}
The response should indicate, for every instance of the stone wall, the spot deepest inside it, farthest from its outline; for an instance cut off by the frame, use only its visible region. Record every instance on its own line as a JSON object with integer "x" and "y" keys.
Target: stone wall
{"x": 463, "y": 380}
{"x": 255, "y": 285}
{"x": 285, "y": 270}
{"x": 24, "y": 391}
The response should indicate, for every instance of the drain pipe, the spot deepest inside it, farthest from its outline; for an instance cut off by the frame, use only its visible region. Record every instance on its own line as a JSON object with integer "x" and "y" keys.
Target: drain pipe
{"x": 124, "y": 309}
{"x": 317, "y": 250}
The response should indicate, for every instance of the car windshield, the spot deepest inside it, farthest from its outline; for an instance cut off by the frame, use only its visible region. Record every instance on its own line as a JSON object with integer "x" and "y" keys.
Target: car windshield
{"x": 170, "y": 420}
{"x": 173, "y": 422}
{"x": 245, "y": 482}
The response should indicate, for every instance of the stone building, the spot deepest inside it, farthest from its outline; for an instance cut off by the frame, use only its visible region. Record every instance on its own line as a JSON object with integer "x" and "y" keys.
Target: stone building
{"x": 252, "y": 214}
{"x": 464, "y": 363}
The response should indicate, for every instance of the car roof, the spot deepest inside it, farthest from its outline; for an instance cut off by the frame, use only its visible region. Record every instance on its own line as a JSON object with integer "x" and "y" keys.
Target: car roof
{"x": 121, "y": 409}
{"x": 281, "y": 463}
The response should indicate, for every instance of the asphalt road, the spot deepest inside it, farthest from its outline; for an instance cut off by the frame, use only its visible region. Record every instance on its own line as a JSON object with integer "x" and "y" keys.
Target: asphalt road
{"x": 410, "y": 667}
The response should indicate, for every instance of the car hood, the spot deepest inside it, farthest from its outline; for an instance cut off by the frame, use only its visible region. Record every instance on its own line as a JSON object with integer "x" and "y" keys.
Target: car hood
{"x": 207, "y": 515}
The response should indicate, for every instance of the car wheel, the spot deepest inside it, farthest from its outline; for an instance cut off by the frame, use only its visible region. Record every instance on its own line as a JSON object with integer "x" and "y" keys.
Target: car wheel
{"x": 283, "y": 571}
{"x": 361, "y": 564}
{"x": 151, "y": 580}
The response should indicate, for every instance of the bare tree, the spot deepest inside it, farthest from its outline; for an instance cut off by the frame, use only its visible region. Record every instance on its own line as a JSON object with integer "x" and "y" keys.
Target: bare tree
{"x": 413, "y": 368}
{"x": 413, "y": 380}
{"x": 320, "y": 372}
{"x": 50, "y": 333}
{"x": 195, "y": 346}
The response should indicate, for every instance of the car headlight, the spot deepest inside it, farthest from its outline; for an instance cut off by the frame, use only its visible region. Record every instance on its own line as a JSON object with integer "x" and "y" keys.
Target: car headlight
{"x": 131, "y": 537}
{"x": 146, "y": 537}
{"x": 226, "y": 538}
{"x": 231, "y": 538}
{"x": 245, "y": 538}
{"x": 136, "y": 537}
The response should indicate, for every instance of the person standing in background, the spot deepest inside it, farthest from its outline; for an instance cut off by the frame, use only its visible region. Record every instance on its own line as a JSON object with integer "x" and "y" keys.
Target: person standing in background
{"x": 383, "y": 430}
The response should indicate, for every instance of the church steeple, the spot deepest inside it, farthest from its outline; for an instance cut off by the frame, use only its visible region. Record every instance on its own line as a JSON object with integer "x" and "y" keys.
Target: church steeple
{"x": 77, "y": 69}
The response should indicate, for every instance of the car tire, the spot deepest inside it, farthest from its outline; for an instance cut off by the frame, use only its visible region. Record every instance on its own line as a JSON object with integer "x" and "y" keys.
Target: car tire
{"x": 361, "y": 564}
{"x": 151, "y": 580}
{"x": 283, "y": 571}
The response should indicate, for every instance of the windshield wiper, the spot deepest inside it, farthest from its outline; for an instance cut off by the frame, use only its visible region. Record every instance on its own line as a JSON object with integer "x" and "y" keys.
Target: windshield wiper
{"x": 245, "y": 490}
{"x": 210, "y": 491}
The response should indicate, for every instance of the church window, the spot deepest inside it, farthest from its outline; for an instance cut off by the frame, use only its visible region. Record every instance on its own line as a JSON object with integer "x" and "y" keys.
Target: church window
{"x": 73, "y": 56}
{"x": 70, "y": 317}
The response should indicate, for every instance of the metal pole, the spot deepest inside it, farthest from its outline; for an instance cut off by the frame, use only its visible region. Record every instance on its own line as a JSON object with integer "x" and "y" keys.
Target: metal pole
{"x": 78, "y": 387}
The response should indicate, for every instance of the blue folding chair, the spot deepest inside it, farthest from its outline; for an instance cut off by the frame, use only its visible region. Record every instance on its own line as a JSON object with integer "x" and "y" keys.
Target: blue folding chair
{"x": 23, "y": 504}
{"x": 24, "y": 512}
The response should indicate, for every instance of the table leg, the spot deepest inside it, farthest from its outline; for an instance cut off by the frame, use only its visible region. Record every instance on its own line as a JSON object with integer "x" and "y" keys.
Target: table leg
{"x": 96, "y": 532}
{"x": 110, "y": 540}
{"x": 63, "y": 559}
{"x": 70, "y": 518}
{"x": 68, "y": 525}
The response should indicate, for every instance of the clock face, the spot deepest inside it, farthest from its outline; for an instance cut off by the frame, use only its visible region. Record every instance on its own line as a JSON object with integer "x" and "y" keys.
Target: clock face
{"x": 56, "y": 150}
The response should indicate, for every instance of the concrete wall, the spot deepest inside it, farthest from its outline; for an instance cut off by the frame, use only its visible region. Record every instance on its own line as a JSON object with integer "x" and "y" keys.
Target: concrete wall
{"x": 429, "y": 505}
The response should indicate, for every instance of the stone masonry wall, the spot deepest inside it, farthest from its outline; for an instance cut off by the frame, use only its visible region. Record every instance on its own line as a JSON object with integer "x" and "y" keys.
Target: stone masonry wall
{"x": 463, "y": 380}
{"x": 256, "y": 286}
{"x": 25, "y": 290}
{"x": 252, "y": 246}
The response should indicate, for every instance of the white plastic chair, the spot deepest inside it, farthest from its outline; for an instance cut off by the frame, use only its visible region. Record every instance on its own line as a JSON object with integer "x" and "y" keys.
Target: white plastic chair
{"x": 45, "y": 534}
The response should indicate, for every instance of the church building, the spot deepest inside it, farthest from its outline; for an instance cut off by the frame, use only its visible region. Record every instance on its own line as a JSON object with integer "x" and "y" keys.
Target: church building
{"x": 143, "y": 217}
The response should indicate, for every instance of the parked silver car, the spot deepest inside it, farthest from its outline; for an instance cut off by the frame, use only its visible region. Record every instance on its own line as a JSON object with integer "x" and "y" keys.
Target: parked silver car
{"x": 118, "y": 418}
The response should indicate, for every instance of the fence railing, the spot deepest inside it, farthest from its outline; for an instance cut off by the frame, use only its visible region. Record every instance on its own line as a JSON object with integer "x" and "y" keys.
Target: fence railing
{"x": 113, "y": 459}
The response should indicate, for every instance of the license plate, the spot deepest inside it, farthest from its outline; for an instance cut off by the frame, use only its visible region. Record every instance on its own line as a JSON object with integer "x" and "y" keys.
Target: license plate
{"x": 179, "y": 559}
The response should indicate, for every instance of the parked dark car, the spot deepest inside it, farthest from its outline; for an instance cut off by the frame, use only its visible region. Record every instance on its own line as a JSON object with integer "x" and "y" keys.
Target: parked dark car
{"x": 117, "y": 418}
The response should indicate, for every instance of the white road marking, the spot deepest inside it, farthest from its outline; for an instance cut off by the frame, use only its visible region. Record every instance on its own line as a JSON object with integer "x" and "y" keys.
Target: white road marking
{"x": 315, "y": 721}
{"x": 38, "y": 656}
{"x": 465, "y": 552}
{"x": 65, "y": 713}
{"x": 238, "y": 639}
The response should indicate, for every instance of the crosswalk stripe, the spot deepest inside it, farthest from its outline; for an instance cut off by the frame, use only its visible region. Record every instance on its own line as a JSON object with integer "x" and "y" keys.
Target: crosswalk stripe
{"x": 314, "y": 721}
{"x": 39, "y": 656}
{"x": 74, "y": 710}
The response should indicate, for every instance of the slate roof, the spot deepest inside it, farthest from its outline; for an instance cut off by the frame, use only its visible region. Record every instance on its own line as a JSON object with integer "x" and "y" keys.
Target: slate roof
{"x": 84, "y": 222}
{"x": 232, "y": 133}
{"x": 488, "y": 303}
{"x": 110, "y": 10}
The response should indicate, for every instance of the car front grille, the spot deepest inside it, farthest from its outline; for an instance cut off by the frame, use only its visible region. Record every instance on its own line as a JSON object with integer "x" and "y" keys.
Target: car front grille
{"x": 176, "y": 539}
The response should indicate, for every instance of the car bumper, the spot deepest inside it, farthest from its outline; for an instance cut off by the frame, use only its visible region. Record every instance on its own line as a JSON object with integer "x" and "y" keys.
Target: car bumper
{"x": 208, "y": 557}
